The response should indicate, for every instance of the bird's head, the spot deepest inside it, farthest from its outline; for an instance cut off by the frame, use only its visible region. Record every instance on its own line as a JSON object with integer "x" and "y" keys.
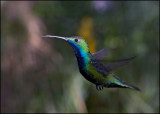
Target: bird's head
{"x": 78, "y": 43}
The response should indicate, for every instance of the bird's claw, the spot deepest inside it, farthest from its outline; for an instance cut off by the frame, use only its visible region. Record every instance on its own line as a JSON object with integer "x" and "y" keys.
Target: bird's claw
{"x": 99, "y": 87}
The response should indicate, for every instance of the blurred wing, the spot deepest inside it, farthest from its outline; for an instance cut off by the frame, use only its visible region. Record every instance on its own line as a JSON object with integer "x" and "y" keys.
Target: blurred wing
{"x": 116, "y": 64}
{"x": 101, "y": 54}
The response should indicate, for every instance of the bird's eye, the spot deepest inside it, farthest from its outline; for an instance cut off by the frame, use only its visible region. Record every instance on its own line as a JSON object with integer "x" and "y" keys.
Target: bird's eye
{"x": 76, "y": 40}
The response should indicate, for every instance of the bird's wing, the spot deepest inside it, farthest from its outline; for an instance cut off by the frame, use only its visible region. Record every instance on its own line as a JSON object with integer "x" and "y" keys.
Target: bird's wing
{"x": 113, "y": 65}
{"x": 101, "y": 54}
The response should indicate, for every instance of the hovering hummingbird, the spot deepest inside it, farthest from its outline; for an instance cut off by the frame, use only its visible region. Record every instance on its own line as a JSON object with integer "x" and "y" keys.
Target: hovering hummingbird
{"x": 91, "y": 67}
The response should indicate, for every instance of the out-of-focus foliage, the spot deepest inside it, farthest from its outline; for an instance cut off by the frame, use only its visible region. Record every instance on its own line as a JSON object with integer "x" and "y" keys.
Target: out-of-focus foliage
{"x": 41, "y": 75}
{"x": 86, "y": 31}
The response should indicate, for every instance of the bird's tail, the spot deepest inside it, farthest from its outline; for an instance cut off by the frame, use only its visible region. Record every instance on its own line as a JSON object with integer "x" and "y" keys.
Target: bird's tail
{"x": 124, "y": 84}
{"x": 118, "y": 83}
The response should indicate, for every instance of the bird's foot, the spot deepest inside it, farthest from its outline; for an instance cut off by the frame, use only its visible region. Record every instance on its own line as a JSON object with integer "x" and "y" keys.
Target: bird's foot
{"x": 99, "y": 87}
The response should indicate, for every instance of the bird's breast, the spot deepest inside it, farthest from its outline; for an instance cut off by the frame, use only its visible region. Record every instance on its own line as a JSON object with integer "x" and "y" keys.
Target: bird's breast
{"x": 90, "y": 71}
{"x": 83, "y": 64}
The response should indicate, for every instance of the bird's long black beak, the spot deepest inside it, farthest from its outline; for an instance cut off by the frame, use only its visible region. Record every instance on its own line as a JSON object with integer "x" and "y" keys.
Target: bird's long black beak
{"x": 64, "y": 38}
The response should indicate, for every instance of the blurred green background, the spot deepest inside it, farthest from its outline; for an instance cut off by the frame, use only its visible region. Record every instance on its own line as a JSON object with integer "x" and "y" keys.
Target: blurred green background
{"x": 41, "y": 74}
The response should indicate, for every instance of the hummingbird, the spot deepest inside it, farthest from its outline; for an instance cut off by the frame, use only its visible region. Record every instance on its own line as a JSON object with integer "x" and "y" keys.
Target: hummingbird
{"x": 91, "y": 66}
